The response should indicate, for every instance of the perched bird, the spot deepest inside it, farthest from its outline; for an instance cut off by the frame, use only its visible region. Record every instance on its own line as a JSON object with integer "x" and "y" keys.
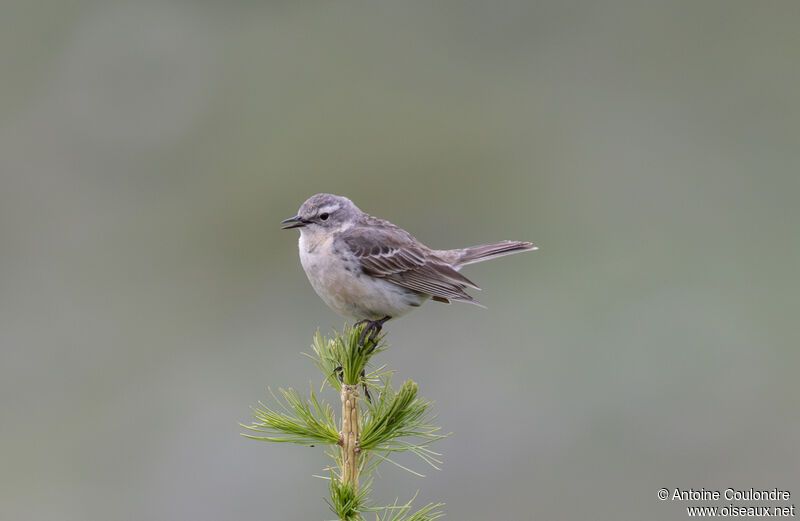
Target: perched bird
{"x": 369, "y": 269}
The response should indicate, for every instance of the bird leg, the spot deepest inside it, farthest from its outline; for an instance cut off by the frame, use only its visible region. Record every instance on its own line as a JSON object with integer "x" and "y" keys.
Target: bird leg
{"x": 371, "y": 330}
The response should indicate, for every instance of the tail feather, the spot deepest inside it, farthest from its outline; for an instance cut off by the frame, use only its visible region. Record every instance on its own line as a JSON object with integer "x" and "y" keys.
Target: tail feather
{"x": 484, "y": 252}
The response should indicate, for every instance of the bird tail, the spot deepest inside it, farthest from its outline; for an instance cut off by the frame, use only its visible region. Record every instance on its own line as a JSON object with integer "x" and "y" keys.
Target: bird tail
{"x": 484, "y": 252}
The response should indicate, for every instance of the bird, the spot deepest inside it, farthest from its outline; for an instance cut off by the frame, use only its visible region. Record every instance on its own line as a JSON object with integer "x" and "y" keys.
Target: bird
{"x": 366, "y": 268}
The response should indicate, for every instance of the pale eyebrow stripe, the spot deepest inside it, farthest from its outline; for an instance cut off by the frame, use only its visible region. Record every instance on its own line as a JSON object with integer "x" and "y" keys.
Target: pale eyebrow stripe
{"x": 329, "y": 208}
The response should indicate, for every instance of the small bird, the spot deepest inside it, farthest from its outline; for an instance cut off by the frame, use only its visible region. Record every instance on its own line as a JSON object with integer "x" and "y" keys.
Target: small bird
{"x": 369, "y": 269}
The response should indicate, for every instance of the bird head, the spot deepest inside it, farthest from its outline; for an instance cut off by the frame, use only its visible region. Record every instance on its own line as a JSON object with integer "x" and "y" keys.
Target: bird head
{"x": 323, "y": 212}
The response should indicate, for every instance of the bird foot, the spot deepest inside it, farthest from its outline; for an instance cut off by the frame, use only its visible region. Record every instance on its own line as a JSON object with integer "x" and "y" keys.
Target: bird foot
{"x": 340, "y": 373}
{"x": 371, "y": 329}
{"x": 364, "y": 385}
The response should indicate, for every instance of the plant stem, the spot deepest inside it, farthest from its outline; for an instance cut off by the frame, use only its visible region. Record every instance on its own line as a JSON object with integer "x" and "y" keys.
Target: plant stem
{"x": 350, "y": 435}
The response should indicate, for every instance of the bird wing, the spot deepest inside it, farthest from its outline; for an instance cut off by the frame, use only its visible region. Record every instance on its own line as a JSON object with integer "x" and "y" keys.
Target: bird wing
{"x": 392, "y": 254}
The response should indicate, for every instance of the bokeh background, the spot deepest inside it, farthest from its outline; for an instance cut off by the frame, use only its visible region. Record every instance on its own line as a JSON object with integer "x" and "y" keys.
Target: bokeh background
{"x": 148, "y": 151}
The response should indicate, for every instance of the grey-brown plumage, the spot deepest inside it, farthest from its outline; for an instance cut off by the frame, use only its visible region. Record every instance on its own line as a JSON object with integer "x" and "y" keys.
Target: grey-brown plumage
{"x": 367, "y": 268}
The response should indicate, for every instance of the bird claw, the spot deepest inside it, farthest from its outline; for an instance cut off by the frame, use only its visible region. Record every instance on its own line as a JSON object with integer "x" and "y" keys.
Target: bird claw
{"x": 368, "y": 336}
{"x": 371, "y": 330}
{"x": 340, "y": 373}
{"x": 364, "y": 385}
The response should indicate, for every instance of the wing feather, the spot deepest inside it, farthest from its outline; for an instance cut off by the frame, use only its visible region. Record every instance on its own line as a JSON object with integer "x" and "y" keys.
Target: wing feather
{"x": 394, "y": 255}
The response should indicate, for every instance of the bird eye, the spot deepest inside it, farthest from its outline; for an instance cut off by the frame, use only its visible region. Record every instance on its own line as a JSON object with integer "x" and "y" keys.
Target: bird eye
{"x": 323, "y": 216}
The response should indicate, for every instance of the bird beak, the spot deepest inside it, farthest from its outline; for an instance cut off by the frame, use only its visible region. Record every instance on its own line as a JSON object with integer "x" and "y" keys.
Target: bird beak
{"x": 297, "y": 221}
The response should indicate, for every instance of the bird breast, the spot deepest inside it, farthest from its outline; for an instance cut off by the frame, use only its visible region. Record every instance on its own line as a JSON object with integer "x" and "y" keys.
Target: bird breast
{"x": 336, "y": 275}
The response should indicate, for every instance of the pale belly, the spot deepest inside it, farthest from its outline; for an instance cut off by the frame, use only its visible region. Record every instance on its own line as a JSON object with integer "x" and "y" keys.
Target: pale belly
{"x": 339, "y": 282}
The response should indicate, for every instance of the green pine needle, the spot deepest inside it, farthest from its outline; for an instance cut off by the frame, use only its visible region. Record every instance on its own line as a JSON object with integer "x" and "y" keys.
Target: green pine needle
{"x": 400, "y": 421}
{"x": 345, "y": 501}
{"x": 397, "y": 512}
{"x": 342, "y": 356}
{"x": 395, "y": 421}
{"x": 303, "y": 420}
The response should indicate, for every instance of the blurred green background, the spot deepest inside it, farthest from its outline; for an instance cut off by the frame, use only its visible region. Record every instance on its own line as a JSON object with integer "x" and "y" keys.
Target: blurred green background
{"x": 148, "y": 151}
